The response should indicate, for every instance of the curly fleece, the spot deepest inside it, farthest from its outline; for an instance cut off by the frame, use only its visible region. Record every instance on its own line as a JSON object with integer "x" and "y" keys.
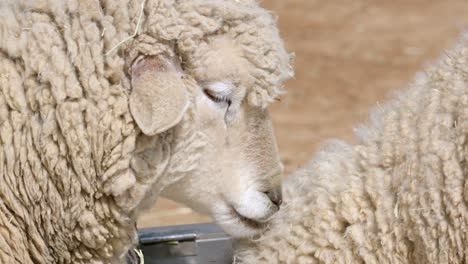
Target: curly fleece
{"x": 70, "y": 184}
{"x": 398, "y": 196}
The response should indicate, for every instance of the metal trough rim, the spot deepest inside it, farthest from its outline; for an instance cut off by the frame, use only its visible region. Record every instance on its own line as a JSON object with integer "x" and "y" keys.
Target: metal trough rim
{"x": 183, "y": 244}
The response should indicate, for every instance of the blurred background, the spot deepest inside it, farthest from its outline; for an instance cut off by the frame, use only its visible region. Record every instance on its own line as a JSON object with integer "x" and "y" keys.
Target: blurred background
{"x": 350, "y": 54}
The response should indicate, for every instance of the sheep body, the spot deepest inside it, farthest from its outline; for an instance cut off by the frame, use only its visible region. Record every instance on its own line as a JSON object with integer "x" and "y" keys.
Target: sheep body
{"x": 398, "y": 196}
{"x": 68, "y": 193}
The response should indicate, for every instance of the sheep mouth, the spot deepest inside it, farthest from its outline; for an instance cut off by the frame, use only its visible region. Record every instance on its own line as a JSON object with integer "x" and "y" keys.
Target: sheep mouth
{"x": 251, "y": 223}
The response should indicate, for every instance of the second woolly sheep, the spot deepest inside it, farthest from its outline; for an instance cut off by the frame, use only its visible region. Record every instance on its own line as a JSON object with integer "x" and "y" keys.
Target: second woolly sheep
{"x": 398, "y": 196}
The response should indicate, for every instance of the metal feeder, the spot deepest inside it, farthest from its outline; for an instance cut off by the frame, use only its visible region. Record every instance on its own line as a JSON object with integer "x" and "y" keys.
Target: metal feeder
{"x": 186, "y": 244}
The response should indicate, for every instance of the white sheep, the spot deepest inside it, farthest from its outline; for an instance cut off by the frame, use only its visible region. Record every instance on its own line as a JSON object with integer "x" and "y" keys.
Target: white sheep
{"x": 106, "y": 104}
{"x": 398, "y": 196}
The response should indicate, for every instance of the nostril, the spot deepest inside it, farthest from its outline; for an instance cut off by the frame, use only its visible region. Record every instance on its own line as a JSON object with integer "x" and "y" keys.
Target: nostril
{"x": 275, "y": 196}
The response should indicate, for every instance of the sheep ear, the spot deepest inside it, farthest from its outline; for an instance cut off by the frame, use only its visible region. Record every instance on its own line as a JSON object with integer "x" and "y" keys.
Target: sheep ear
{"x": 159, "y": 98}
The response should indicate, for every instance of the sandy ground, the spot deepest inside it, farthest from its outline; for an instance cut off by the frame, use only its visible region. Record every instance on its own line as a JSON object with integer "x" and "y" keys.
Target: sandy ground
{"x": 349, "y": 56}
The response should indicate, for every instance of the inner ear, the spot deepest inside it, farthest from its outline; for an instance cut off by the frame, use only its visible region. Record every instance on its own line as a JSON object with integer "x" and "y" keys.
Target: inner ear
{"x": 155, "y": 64}
{"x": 159, "y": 98}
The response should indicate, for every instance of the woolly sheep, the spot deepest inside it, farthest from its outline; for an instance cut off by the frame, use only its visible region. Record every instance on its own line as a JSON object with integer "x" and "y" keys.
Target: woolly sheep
{"x": 398, "y": 196}
{"x": 106, "y": 104}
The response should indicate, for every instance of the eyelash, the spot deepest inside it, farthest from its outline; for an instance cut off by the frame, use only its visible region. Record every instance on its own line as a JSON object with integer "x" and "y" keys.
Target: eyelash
{"x": 217, "y": 98}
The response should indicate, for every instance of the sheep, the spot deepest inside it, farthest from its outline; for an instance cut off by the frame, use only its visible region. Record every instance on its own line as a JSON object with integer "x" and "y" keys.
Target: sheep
{"x": 105, "y": 105}
{"x": 399, "y": 195}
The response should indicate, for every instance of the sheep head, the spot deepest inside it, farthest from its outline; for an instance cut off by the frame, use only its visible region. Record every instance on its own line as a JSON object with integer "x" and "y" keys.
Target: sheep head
{"x": 223, "y": 159}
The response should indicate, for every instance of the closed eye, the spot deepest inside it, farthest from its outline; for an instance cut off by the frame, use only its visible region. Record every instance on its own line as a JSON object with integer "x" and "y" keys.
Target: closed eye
{"x": 218, "y": 92}
{"x": 216, "y": 97}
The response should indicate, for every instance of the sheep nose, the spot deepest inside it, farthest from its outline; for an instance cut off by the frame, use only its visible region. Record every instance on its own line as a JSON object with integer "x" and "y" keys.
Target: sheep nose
{"x": 275, "y": 195}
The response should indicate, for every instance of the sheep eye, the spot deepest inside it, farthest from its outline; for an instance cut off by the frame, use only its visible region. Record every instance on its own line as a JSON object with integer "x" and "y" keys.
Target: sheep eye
{"x": 216, "y": 97}
{"x": 218, "y": 92}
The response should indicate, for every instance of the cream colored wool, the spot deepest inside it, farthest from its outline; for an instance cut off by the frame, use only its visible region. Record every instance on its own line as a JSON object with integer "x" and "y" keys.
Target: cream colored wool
{"x": 398, "y": 196}
{"x": 67, "y": 193}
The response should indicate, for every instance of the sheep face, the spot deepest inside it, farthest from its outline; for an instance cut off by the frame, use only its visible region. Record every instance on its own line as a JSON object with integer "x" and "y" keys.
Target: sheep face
{"x": 238, "y": 172}
{"x": 224, "y": 158}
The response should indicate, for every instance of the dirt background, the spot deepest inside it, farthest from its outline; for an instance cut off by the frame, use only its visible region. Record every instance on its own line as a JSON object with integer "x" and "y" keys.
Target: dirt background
{"x": 350, "y": 54}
